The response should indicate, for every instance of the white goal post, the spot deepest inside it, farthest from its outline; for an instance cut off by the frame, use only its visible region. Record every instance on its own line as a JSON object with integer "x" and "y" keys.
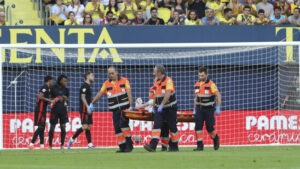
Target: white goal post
{"x": 239, "y": 50}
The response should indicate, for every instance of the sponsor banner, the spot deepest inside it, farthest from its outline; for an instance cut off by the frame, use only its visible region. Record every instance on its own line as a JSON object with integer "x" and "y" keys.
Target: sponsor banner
{"x": 161, "y": 34}
{"x": 234, "y": 128}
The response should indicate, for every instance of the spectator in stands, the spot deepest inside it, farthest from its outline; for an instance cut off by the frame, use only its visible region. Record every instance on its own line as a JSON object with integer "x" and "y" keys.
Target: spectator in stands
{"x": 218, "y": 8}
{"x": 198, "y": 6}
{"x": 138, "y": 4}
{"x": 246, "y": 18}
{"x": 129, "y": 9}
{"x": 72, "y": 19}
{"x": 176, "y": 19}
{"x": 252, "y": 6}
{"x": 295, "y": 4}
{"x": 236, "y": 7}
{"x": 139, "y": 20}
{"x": 209, "y": 3}
{"x": 146, "y": 7}
{"x": 165, "y": 4}
{"x": 192, "y": 19}
{"x": 155, "y": 20}
{"x": 284, "y": 6}
{"x": 49, "y": 2}
{"x": 87, "y": 20}
{"x": 105, "y": 3}
{"x": 228, "y": 19}
{"x": 267, "y": 7}
{"x": 2, "y": 19}
{"x": 277, "y": 18}
{"x": 210, "y": 18}
{"x": 96, "y": 10}
{"x": 123, "y": 20}
{"x": 109, "y": 19}
{"x": 113, "y": 7}
{"x": 67, "y": 2}
{"x": 295, "y": 19}
{"x": 59, "y": 12}
{"x": 180, "y": 7}
{"x": 262, "y": 19}
{"x": 78, "y": 10}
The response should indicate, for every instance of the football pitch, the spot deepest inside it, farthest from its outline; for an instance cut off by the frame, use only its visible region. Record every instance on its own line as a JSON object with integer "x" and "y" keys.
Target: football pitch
{"x": 269, "y": 157}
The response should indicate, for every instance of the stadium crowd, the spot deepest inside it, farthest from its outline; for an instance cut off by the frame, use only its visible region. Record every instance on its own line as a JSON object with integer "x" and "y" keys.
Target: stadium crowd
{"x": 174, "y": 12}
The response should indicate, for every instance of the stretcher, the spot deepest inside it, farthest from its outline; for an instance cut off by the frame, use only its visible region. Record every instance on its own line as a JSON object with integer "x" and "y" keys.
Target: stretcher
{"x": 145, "y": 115}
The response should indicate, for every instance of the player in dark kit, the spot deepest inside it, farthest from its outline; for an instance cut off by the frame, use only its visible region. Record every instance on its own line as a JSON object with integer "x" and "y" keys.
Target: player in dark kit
{"x": 85, "y": 95}
{"x": 59, "y": 108}
{"x": 40, "y": 111}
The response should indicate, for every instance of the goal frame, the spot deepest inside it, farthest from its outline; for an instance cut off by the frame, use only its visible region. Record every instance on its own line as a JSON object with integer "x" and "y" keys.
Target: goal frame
{"x": 133, "y": 46}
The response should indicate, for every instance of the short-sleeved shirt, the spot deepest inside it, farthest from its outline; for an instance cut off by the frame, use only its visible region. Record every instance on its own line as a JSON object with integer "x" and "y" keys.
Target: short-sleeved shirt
{"x": 199, "y": 8}
{"x": 68, "y": 22}
{"x": 56, "y": 91}
{"x": 268, "y": 8}
{"x": 259, "y": 21}
{"x": 276, "y": 20}
{"x": 90, "y": 7}
{"x": 86, "y": 90}
{"x": 56, "y": 9}
{"x": 215, "y": 6}
{"x": 206, "y": 21}
{"x": 113, "y": 10}
{"x": 129, "y": 12}
{"x": 225, "y": 21}
{"x": 191, "y": 22}
{"x": 249, "y": 20}
{"x": 104, "y": 90}
{"x": 41, "y": 105}
{"x": 152, "y": 22}
{"x": 80, "y": 10}
{"x": 293, "y": 19}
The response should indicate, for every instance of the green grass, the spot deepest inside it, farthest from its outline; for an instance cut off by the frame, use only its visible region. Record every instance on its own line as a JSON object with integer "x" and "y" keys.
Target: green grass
{"x": 285, "y": 157}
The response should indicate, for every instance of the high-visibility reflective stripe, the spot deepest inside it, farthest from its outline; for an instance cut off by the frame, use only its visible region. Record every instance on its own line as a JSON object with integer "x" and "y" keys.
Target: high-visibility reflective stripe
{"x": 116, "y": 95}
{"x": 155, "y": 133}
{"x": 163, "y": 95}
{"x": 204, "y": 95}
{"x": 165, "y": 138}
{"x": 120, "y": 138}
{"x": 174, "y": 137}
{"x": 165, "y": 142}
{"x": 205, "y": 104}
{"x": 118, "y": 105}
{"x": 126, "y": 131}
{"x": 199, "y": 135}
{"x": 170, "y": 104}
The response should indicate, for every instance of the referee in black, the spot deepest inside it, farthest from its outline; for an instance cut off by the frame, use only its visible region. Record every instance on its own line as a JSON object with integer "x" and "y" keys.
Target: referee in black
{"x": 59, "y": 108}
{"x": 85, "y": 99}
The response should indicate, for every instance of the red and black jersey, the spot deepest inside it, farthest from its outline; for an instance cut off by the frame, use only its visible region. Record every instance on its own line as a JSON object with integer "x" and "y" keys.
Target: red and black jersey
{"x": 60, "y": 106}
{"x": 85, "y": 89}
{"x": 41, "y": 105}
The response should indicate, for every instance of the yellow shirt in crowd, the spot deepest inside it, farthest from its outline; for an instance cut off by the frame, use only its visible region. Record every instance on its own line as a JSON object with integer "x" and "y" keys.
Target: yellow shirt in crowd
{"x": 90, "y": 7}
{"x": 116, "y": 13}
{"x": 215, "y": 6}
{"x": 242, "y": 18}
{"x": 191, "y": 22}
{"x": 129, "y": 12}
{"x": 226, "y": 22}
{"x": 68, "y": 22}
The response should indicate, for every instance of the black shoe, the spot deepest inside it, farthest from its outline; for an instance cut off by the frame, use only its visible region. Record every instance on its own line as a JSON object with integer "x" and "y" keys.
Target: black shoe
{"x": 149, "y": 148}
{"x": 199, "y": 148}
{"x": 164, "y": 148}
{"x": 126, "y": 150}
{"x": 173, "y": 149}
{"x": 216, "y": 142}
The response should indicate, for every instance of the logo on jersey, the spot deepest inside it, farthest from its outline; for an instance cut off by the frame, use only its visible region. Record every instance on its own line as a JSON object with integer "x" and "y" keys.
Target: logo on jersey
{"x": 44, "y": 90}
{"x": 84, "y": 89}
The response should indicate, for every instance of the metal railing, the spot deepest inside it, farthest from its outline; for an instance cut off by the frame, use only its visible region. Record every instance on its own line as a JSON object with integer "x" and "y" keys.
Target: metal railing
{"x": 8, "y": 14}
{"x": 38, "y": 6}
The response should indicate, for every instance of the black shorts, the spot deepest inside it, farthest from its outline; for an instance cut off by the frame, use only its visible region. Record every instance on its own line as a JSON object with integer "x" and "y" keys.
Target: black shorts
{"x": 86, "y": 118}
{"x": 61, "y": 116}
{"x": 40, "y": 118}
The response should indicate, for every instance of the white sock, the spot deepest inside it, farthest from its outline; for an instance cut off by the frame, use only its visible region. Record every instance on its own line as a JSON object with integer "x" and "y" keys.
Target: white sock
{"x": 90, "y": 144}
{"x": 42, "y": 145}
{"x": 71, "y": 139}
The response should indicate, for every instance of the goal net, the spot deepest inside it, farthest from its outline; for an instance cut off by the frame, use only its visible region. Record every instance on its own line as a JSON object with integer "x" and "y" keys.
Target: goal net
{"x": 259, "y": 85}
